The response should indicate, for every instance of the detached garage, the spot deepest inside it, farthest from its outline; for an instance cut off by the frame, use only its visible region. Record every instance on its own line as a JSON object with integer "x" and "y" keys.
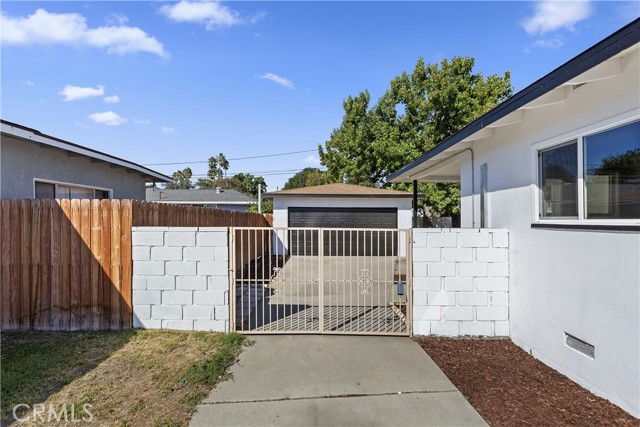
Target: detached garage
{"x": 342, "y": 206}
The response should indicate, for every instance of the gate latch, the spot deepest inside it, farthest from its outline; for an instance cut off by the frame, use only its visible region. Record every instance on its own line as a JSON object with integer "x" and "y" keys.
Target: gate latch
{"x": 400, "y": 286}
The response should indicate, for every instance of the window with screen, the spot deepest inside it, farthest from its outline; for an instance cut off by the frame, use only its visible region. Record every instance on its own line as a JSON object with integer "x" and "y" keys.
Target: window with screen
{"x": 558, "y": 184}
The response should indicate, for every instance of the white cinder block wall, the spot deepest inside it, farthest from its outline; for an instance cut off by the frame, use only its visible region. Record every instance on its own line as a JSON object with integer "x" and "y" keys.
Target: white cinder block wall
{"x": 180, "y": 278}
{"x": 461, "y": 282}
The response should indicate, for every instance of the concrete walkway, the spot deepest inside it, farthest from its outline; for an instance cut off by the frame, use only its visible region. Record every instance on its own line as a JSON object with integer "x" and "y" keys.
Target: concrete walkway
{"x": 312, "y": 380}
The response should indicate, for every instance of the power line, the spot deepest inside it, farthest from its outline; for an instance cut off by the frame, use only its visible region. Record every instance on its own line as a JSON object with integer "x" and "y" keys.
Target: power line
{"x": 237, "y": 158}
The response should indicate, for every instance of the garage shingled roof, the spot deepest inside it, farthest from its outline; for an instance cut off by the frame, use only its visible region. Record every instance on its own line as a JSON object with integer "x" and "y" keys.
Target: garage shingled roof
{"x": 339, "y": 190}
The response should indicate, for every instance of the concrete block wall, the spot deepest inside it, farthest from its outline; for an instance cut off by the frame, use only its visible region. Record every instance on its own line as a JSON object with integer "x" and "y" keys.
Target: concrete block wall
{"x": 461, "y": 282}
{"x": 181, "y": 278}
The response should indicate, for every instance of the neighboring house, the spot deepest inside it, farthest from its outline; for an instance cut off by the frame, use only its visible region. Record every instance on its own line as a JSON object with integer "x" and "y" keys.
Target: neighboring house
{"x": 38, "y": 166}
{"x": 342, "y": 206}
{"x": 558, "y": 165}
{"x": 215, "y": 198}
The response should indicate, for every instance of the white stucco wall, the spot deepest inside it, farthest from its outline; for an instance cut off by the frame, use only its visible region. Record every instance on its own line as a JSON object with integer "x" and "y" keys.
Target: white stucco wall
{"x": 584, "y": 283}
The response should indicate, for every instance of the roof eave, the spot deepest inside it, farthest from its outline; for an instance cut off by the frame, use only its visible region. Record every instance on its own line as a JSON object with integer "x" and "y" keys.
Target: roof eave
{"x": 36, "y": 136}
{"x": 622, "y": 39}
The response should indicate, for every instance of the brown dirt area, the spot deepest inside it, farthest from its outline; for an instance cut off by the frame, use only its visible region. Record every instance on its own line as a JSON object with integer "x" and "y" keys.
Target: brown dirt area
{"x": 508, "y": 387}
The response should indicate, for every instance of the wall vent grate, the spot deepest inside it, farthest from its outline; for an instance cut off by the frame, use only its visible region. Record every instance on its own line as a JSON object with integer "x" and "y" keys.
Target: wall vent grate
{"x": 581, "y": 346}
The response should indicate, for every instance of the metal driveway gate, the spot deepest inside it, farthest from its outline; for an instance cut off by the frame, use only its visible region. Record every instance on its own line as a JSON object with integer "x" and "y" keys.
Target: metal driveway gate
{"x": 321, "y": 280}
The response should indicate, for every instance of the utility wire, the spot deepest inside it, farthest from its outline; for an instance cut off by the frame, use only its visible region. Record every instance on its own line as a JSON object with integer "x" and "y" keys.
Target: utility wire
{"x": 237, "y": 158}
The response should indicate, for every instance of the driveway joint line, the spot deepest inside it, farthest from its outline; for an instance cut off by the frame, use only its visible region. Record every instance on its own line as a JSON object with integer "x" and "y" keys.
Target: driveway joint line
{"x": 337, "y": 396}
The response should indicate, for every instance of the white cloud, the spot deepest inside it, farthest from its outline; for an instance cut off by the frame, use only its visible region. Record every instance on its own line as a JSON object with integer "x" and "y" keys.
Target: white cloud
{"x": 311, "y": 160}
{"x": 72, "y": 93}
{"x": 552, "y": 15}
{"x": 278, "y": 79}
{"x": 116, "y": 19}
{"x": 551, "y": 43}
{"x": 210, "y": 13}
{"x": 28, "y": 83}
{"x": 141, "y": 122}
{"x": 71, "y": 29}
{"x": 113, "y": 99}
{"x": 166, "y": 129}
{"x": 108, "y": 118}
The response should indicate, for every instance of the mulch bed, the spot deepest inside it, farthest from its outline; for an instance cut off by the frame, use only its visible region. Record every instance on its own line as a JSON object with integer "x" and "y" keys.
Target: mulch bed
{"x": 508, "y": 387}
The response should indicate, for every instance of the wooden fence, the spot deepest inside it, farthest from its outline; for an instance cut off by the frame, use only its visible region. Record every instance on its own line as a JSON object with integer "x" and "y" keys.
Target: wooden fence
{"x": 66, "y": 264}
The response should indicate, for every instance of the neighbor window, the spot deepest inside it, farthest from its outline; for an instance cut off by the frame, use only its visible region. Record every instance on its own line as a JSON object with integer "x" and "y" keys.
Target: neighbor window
{"x": 559, "y": 181}
{"x": 612, "y": 173}
{"x": 54, "y": 190}
{"x": 595, "y": 176}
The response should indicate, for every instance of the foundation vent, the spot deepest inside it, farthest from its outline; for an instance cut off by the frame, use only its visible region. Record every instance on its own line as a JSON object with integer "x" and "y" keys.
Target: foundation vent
{"x": 581, "y": 346}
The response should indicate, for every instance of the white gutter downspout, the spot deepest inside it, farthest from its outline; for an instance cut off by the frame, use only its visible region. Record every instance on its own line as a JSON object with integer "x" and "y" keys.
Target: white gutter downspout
{"x": 473, "y": 182}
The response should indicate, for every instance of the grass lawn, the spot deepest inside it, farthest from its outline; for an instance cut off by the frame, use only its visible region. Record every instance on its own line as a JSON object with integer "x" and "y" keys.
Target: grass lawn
{"x": 130, "y": 378}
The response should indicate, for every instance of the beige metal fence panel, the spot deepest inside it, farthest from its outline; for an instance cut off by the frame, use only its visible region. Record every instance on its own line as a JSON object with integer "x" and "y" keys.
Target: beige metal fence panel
{"x": 320, "y": 280}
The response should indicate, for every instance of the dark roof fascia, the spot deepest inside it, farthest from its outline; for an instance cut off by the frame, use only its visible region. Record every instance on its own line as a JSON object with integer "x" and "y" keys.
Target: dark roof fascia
{"x": 622, "y": 39}
{"x": 149, "y": 172}
{"x": 344, "y": 196}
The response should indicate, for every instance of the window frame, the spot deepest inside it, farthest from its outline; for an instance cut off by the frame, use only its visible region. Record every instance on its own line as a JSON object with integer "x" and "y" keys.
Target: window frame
{"x": 577, "y": 135}
{"x": 70, "y": 184}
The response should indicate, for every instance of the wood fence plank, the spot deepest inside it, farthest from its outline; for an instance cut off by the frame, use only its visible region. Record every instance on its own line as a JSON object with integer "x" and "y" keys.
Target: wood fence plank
{"x": 65, "y": 264}
{"x": 105, "y": 263}
{"x": 25, "y": 261}
{"x": 75, "y": 288}
{"x": 34, "y": 264}
{"x": 15, "y": 268}
{"x": 85, "y": 264}
{"x": 56, "y": 270}
{"x": 116, "y": 284}
{"x": 96, "y": 270}
{"x": 127, "y": 267}
{"x": 5, "y": 264}
{"x": 44, "y": 320}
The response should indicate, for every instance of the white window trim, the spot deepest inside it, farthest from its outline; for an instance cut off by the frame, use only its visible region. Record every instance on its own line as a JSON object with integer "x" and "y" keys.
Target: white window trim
{"x": 70, "y": 184}
{"x": 578, "y": 135}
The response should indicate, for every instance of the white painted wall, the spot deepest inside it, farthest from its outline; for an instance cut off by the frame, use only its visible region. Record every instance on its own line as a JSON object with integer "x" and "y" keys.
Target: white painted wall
{"x": 585, "y": 283}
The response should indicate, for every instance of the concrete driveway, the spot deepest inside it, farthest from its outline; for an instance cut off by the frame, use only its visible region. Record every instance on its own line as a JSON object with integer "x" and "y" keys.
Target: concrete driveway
{"x": 314, "y": 380}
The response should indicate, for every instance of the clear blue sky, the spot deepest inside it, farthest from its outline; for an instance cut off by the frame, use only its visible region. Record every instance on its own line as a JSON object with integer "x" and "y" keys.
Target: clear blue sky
{"x": 158, "y": 82}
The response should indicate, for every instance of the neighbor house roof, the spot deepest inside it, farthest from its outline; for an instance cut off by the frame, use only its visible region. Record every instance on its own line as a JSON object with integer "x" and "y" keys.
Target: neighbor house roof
{"x": 33, "y": 135}
{"x": 601, "y": 61}
{"x": 339, "y": 190}
{"x": 198, "y": 196}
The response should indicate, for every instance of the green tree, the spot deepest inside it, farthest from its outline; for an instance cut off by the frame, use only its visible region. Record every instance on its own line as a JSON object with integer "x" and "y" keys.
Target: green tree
{"x": 181, "y": 180}
{"x": 244, "y": 183}
{"x": 218, "y": 166}
{"x": 417, "y": 112}
{"x": 308, "y": 177}
{"x": 267, "y": 206}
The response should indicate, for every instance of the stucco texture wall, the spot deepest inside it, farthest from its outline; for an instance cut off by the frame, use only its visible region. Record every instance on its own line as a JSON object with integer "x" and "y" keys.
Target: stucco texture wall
{"x": 584, "y": 283}
{"x": 23, "y": 161}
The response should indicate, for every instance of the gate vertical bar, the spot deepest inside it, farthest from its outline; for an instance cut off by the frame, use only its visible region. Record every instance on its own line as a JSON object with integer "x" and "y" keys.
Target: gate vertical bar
{"x": 321, "y": 280}
{"x": 232, "y": 278}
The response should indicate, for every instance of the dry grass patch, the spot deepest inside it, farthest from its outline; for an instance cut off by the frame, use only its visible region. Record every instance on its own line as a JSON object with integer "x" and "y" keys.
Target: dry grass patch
{"x": 155, "y": 379}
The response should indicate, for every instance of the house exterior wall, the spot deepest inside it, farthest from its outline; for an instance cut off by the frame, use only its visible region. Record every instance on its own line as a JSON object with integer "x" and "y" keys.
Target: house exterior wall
{"x": 460, "y": 282}
{"x": 584, "y": 283}
{"x": 181, "y": 278}
{"x": 22, "y": 161}
{"x": 282, "y": 204}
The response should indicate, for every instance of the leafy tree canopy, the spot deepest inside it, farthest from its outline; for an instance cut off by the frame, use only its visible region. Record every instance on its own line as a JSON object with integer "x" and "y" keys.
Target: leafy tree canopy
{"x": 267, "y": 206}
{"x": 181, "y": 180}
{"x": 308, "y": 177}
{"x": 417, "y": 112}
